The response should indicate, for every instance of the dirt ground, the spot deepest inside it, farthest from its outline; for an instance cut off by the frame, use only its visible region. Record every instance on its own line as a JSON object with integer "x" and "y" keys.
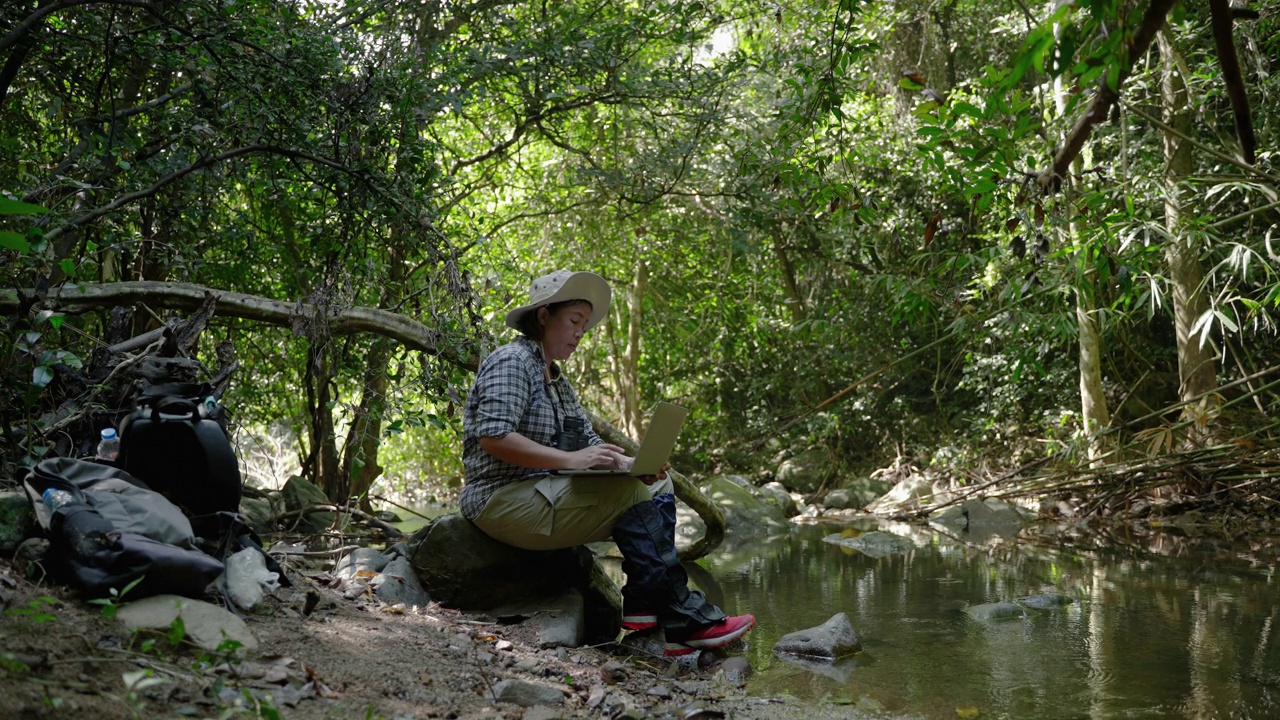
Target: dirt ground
{"x": 351, "y": 657}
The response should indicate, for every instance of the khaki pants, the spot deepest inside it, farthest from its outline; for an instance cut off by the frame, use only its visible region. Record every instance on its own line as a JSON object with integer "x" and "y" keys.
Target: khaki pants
{"x": 559, "y": 511}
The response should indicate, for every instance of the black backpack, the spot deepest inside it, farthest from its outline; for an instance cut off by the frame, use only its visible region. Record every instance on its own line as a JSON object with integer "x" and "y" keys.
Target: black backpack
{"x": 114, "y": 531}
{"x": 176, "y": 441}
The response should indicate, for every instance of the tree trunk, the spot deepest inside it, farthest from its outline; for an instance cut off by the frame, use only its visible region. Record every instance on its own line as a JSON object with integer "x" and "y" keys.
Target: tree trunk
{"x": 1094, "y": 413}
{"x": 794, "y": 300}
{"x": 1197, "y": 367}
{"x": 627, "y": 363}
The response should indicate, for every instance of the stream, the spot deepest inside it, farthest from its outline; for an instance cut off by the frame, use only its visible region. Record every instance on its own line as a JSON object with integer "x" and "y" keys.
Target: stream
{"x": 1166, "y": 628}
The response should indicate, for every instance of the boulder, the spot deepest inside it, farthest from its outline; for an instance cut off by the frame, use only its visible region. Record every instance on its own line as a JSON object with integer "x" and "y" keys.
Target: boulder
{"x": 806, "y": 471}
{"x": 831, "y": 640}
{"x": 875, "y": 544}
{"x": 1047, "y": 601}
{"x": 258, "y": 512}
{"x": 987, "y": 612}
{"x": 362, "y": 562}
{"x": 17, "y": 520}
{"x": 745, "y": 513}
{"x": 204, "y": 624}
{"x": 977, "y": 520}
{"x": 910, "y": 493}
{"x": 841, "y": 498}
{"x": 397, "y": 583}
{"x": 298, "y": 494}
{"x": 460, "y": 566}
{"x": 777, "y": 493}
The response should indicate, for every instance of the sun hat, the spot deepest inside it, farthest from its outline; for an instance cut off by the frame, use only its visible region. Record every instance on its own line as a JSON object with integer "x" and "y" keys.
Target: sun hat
{"x": 564, "y": 285}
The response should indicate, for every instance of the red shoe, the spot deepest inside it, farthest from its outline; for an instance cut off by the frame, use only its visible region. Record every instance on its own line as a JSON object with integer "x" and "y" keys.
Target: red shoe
{"x": 639, "y": 619}
{"x": 712, "y": 636}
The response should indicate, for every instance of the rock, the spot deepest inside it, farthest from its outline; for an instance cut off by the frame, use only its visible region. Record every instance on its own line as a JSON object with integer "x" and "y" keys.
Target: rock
{"x": 840, "y": 498}
{"x": 17, "y": 520}
{"x": 660, "y": 691}
{"x": 1047, "y": 601}
{"x": 777, "y": 493}
{"x": 205, "y": 624}
{"x": 875, "y": 544}
{"x": 369, "y": 561}
{"x": 839, "y": 670}
{"x": 527, "y": 694}
{"x": 258, "y": 512}
{"x": 996, "y": 611}
{"x": 979, "y": 519}
{"x": 541, "y": 712}
{"x": 831, "y": 640}
{"x": 805, "y": 472}
{"x": 739, "y": 480}
{"x": 745, "y": 514}
{"x": 460, "y": 566}
{"x": 297, "y": 494}
{"x": 397, "y": 583}
{"x": 613, "y": 672}
{"x": 559, "y": 620}
{"x": 28, "y": 559}
{"x": 910, "y": 493}
{"x": 736, "y": 670}
{"x": 645, "y": 642}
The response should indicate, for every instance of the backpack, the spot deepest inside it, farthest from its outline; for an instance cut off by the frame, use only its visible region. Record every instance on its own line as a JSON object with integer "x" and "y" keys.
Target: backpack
{"x": 116, "y": 531}
{"x": 176, "y": 442}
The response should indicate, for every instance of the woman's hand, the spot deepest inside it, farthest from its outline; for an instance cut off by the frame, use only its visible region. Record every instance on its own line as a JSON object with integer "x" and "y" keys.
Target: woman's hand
{"x": 605, "y": 456}
{"x": 651, "y": 479}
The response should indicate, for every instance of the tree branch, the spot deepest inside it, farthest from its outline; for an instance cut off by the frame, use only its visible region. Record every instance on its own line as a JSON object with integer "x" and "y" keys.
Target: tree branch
{"x": 1051, "y": 180}
{"x": 199, "y": 165}
{"x": 1220, "y": 21}
{"x": 41, "y": 13}
{"x": 185, "y": 296}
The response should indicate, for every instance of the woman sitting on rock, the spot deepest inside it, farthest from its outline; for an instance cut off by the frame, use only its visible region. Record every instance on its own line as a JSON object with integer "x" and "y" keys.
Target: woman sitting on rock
{"x": 515, "y": 433}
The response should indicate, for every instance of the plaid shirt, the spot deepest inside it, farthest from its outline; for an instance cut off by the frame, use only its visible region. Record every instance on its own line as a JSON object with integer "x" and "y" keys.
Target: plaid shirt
{"x": 511, "y": 394}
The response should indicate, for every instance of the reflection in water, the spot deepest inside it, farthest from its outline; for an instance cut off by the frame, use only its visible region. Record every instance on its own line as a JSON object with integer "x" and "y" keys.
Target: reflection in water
{"x": 1187, "y": 636}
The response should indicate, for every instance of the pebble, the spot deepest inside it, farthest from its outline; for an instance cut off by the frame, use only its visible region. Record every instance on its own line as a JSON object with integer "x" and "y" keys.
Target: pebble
{"x": 613, "y": 672}
{"x": 503, "y": 645}
{"x": 660, "y": 691}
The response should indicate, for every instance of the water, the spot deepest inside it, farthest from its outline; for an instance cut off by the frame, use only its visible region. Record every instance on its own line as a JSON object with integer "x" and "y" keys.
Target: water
{"x": 1187, "y": 634}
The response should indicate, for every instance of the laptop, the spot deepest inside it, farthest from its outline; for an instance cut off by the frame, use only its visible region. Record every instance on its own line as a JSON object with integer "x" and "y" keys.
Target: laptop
{"x": 659, "y": 440}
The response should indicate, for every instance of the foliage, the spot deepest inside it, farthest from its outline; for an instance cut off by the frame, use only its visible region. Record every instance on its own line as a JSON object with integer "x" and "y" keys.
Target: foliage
{"x": 790, "y": 201}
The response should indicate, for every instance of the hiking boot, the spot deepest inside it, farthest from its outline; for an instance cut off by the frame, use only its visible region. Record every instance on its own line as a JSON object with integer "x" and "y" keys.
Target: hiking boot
{"x": 711, "y": 636}
{"x": 639, "y": 619}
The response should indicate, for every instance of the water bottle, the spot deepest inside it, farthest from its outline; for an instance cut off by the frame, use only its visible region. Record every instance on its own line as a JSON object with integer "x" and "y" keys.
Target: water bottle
{"x": 109, "y": 445}
{"x": 55, "y": 498}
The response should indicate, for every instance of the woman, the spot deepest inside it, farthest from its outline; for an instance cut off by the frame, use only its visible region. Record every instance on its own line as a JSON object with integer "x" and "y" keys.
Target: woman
{"x": 523, "y": 420}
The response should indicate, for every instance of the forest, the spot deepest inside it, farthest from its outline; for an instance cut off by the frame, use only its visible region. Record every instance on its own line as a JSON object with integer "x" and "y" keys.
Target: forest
{"x": 991, "y": 240}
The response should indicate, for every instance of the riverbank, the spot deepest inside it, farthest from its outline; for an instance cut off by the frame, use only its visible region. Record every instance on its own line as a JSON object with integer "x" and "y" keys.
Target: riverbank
{"x": 349, "y": 658}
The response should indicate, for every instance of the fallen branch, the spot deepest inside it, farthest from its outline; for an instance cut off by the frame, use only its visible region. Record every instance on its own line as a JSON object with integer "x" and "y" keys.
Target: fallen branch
{"x": 185, "y": 296}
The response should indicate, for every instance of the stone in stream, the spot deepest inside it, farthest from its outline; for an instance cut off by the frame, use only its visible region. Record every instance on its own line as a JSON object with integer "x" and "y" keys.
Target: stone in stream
{"x": 1047, "y": 601}
{"x": 831, "y": 640}
{"x": 875, "y": 544}
{"x": 997, "y": 611}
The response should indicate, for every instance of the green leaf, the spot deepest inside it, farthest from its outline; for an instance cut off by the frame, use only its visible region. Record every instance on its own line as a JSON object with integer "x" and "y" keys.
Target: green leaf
{"x": 14, "y": 241}
{"x": 68, "y": 266}
{"x": 17, "y": 207}
{"x": 41, "y": 376}
{"x": 177, "y": 630}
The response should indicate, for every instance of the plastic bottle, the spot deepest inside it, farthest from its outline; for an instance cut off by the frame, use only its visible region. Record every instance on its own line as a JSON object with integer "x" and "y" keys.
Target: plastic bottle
{"x": 55, "y": 498}
{"x": 109, "y": 445}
